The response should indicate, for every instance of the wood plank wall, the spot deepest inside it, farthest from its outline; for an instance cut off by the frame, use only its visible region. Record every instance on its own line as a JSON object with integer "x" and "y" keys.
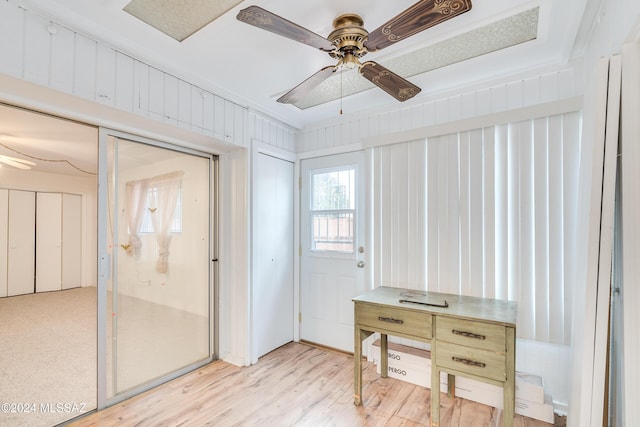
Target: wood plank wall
{"x": 539, "y": 88}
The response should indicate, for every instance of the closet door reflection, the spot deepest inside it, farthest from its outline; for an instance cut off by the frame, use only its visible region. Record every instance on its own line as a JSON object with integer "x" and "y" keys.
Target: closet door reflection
{"x": 158, "y": 296}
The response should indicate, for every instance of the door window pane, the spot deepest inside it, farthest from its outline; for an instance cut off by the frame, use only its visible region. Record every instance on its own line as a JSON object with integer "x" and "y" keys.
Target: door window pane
{"x": 333, "y": 210}
{"x": 333, "y": 190}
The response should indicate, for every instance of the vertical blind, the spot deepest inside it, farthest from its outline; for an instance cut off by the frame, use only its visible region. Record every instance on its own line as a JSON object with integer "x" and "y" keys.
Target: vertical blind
{"x": 488, "y": 212}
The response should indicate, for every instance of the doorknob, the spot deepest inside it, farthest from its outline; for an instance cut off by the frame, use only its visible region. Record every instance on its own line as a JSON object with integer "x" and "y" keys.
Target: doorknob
{"x": 360, "y": 264}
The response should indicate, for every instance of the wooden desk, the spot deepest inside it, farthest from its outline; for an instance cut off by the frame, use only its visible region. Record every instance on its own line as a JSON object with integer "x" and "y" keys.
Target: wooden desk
{"x": 472, "y": 337}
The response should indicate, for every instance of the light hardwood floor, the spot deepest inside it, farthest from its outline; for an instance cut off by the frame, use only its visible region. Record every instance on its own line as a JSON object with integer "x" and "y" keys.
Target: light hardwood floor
{"x": 295, "y": 385}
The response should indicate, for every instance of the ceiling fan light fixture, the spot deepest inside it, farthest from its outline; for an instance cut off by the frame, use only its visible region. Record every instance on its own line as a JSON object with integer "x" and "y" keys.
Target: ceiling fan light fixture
{"x": 350, "y": 61}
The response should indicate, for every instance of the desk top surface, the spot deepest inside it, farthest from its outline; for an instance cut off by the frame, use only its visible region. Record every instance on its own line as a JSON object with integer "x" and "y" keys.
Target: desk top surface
{"x": 474, "y": 308}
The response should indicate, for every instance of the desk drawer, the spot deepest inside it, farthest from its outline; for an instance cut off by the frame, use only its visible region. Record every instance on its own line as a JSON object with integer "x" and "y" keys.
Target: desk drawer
{"x": 408, "y": 322}
{"x": 483, "y": 363}
{"x": 481, "y": 335}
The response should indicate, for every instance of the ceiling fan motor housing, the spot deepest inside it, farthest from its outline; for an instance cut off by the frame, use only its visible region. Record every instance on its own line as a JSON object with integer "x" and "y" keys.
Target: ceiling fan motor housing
{"x": 348, "y": 37}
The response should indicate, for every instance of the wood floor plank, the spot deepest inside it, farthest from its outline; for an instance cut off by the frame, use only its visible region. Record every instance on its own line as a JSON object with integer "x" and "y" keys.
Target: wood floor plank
{"x": 295, "y": 385}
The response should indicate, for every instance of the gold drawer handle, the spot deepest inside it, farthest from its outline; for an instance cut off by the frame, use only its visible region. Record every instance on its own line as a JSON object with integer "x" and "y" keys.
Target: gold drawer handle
{"x": 468, "y": 362}
{"x": 468, "y": 334}
{"x": 390, "y": 320}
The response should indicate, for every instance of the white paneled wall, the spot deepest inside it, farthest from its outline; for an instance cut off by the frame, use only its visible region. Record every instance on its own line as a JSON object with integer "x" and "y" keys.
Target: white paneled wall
{"x": 35, "y": 49}
{"x": 233, "y": 304}
{"x": 271, "y": 132}
{"x": 465, "y": 105}
{"x": 400, "y": 231}
{"x": 52, "y": 55}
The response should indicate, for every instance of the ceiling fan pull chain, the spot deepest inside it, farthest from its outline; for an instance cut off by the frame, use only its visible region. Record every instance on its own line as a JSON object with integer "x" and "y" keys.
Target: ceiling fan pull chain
{"x": 341, "y": 70}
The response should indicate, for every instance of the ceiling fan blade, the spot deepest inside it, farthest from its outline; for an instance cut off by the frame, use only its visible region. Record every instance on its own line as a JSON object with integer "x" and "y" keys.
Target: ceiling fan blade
{"x": 15, "y": 159}
{"x": 298, "y": 92}
{"x": 396, "y": 86}
{"x": 417, "y": 18}
{"x": 261, "y": 18}
{"x": 16, "y": 164}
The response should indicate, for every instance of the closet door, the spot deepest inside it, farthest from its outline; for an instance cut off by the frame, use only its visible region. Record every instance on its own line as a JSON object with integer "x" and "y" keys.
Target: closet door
{"x": 4, "y": 221}
{"x": 48, "y": 242}
{"x": 22, "y": 238}
{"x": 71, "y": 241}
{"x": 272, "y": 294}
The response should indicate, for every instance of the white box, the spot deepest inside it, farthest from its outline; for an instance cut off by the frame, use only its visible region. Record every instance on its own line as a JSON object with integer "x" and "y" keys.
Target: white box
{"x": 402, "y": 354}
{"x": 539, "y": 411}
{"x": 491, "y": 395}
{"x": 405, "y": 363}
{"x": 529, "y": 387}
{"x": 414, "y": 366}
{"x": 412, "y": 374}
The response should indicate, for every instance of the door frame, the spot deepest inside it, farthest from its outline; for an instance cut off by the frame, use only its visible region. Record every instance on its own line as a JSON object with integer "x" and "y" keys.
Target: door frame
{"x": 630, "y": 133}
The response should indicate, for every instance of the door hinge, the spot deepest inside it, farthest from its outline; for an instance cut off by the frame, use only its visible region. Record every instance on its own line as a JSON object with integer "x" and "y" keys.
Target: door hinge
{"x": 299, "y": 317}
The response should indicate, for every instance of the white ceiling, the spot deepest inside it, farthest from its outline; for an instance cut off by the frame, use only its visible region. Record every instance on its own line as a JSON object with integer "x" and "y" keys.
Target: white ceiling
{"x": 253, "y": 67}
{"x": 55, "y": 145}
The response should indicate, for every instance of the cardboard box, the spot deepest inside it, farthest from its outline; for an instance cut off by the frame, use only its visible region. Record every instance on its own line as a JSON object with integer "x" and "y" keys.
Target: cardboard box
{"x": 412, "y": 374}
{"x": 528, "y": 387}
{"x": 414, "y": 366}
{"x": 401, "y": 354}
{"x": 539, "y": 411}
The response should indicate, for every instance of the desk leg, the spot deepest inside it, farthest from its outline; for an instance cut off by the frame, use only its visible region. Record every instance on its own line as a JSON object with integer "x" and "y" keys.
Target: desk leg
{"x": 358, "y": 336}
{"x": 384, "y": 356}
{"x": 451, "y": 386}
{"x": 357, "y": 367}
{"x": 510, "y": 384}
{"x": 435, "y": 396}
{"x": 435, "y": 388}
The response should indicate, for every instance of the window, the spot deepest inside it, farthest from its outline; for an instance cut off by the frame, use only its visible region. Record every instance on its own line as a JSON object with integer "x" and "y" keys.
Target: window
{"x": 333, "y": 210}
{"x": 147, "y": 223}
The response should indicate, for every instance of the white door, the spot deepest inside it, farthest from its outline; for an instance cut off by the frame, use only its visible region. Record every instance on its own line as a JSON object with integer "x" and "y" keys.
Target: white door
{"x": 48, "y": 242}
{"x": 71, "y": 241}
{"x": 332, "y": 234}
{"x": 22, "y": 241}
{"x": 272, "y": 295}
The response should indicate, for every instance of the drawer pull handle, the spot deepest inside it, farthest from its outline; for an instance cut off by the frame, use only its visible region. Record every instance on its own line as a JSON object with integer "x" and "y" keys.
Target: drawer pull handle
{"x": 468, "y": 362}
{"x": 390, "y": 320}
{"x": 468, "y": 334}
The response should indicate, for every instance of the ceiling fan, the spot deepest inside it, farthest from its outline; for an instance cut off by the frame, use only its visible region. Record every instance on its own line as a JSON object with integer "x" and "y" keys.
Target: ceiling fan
{"x": 350, "y": 41}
